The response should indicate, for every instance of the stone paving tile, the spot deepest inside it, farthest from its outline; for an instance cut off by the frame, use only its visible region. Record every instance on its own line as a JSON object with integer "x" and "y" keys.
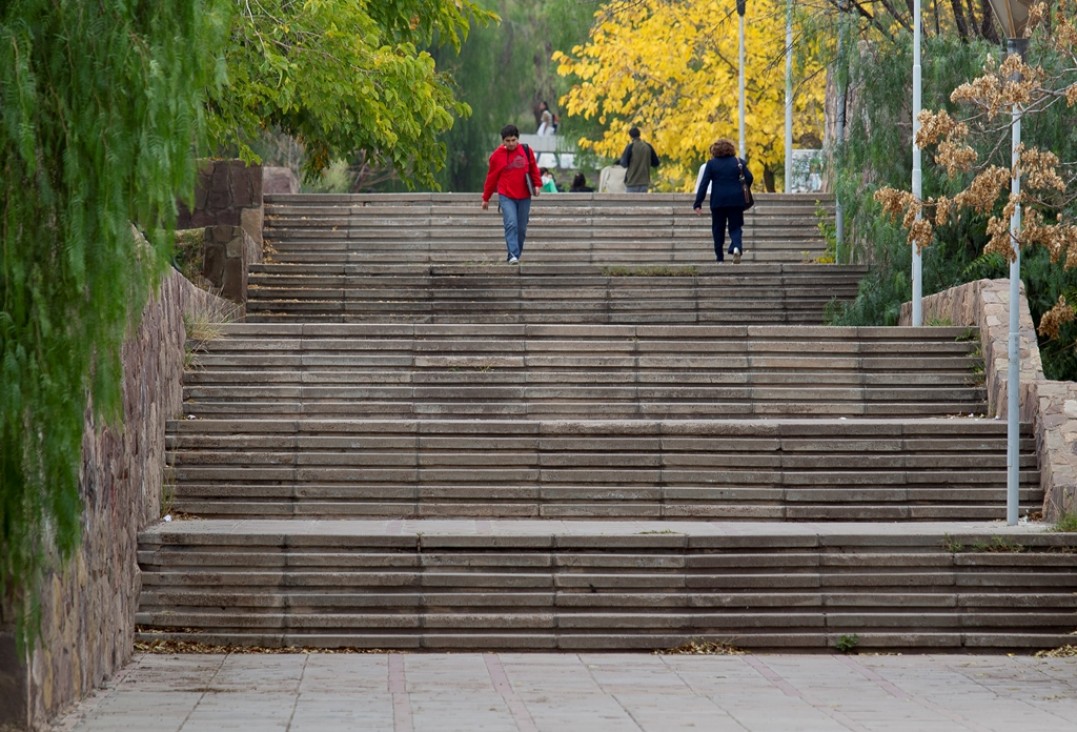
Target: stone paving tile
{"x": 517, "y": 692}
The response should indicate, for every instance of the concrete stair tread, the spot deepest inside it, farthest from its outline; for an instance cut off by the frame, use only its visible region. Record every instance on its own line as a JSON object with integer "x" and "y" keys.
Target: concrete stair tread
{"x": 605, "y": 534}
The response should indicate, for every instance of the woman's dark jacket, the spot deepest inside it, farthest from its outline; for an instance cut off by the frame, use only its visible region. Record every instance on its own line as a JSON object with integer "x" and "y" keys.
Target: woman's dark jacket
{"x": 723, "y": 174}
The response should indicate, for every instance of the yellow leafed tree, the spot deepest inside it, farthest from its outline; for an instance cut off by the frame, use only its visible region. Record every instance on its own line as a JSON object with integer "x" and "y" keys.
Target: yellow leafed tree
{"x": 670, "y": 68}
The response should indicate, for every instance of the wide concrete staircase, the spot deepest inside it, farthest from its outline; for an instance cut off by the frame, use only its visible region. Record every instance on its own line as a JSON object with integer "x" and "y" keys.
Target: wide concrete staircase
{"x": 590, "y": 258}
{"x": 452, "y": 473}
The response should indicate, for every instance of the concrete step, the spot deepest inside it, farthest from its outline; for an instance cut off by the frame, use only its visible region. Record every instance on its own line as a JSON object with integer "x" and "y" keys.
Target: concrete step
{"x": 873, "y": 470}
{"x": 389, "y": 228}
{"x": 541, "y": 293}
{"x": 613, "y": 585}
{"x": 577, "y": 371}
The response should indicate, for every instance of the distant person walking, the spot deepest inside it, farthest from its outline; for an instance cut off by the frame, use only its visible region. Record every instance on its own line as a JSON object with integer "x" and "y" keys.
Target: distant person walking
{"x": 721, "y": 175}
{"x": 546, "y": 120}
{"x": 639, "y": 157}
{"x": 512, "y": 167}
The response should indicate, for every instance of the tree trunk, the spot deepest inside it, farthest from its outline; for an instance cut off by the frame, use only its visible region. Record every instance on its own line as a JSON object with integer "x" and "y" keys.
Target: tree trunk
{"x": 987, "y": 27}
{"x": 959, "y": 19}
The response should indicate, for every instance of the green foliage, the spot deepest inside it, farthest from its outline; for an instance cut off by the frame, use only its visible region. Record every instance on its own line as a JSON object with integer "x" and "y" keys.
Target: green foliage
{"x": 653, "y": 270}
{"x": 100, "y": 105}
{"x": 189, "y": 254}
{"x": 824, "y": 221}
{"x": 997, "y": 545}
{"x": 344, "y": 78}
{"x": 848, "y": 643}
{"x": 1067, "y": 523}
{"x": 870, "y": 160}
{"x": 952, "y": 544}
{"x": 501, "y": 73}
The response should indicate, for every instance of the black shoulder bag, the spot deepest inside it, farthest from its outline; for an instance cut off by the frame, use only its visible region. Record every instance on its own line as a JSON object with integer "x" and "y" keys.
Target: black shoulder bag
{"x": 749, "y": 200}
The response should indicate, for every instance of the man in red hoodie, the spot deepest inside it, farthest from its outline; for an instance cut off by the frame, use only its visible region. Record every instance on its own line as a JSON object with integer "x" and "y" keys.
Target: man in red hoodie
{"x": 514, "y": 174}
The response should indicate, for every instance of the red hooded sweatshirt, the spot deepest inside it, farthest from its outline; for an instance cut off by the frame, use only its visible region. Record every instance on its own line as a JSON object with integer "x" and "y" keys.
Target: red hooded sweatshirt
{"x": 507, "y": 173}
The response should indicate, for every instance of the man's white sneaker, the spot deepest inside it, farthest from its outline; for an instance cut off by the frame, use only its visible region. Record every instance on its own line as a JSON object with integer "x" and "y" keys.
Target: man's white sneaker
{"x": 513, "y": 260}
{"x": 736, "y": 255}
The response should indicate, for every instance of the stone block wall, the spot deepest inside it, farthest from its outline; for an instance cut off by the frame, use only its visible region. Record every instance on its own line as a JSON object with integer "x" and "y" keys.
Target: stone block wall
{"x": 985, "y": 304}
{"x": 228, "y": 206}
{"x": 88, "y": 610}
{"x": 228, "y": 252}
{"x": 279, "y": 180}
{"x": 227, "y": 192}
{"x": 1056, "y": 441}
{"x": 1051, "y": 406}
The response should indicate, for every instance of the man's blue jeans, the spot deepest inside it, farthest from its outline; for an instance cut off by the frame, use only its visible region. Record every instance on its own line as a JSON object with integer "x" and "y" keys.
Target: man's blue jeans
{"x": 514, "y": 212}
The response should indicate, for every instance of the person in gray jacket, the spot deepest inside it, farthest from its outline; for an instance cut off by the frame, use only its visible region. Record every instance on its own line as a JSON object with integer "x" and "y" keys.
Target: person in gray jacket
{"x": 722, "y": 174}
{"x": 639, "y": 157}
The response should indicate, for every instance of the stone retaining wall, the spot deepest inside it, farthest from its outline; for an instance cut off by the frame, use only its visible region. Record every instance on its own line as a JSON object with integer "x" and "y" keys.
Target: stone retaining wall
{"x": 227, "y": 255}
{"x": 1051, "y": 406}
{"x": 229, "y": 193}
{"x": 88, "y": 610}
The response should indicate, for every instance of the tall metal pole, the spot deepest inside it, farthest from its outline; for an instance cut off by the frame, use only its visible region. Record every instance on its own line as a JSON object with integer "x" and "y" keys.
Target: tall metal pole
{"x": 789, "y": 96}
{"x": 740, "y": 74}
{"x": 917, "y": 177}
{"x": 839, "y": 139}
{"x": 1013, "y": 355}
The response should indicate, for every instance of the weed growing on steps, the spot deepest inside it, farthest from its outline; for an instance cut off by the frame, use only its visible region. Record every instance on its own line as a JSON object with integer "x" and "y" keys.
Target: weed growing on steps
{"x": 657, "y": 270}
{"x": 994, "y": 545}
{"x": 828, "y": 229}
{"x": 203, "y": 322}
{"x": 1067, "y": 523}
{"x": 168, "y": 490}
{"x": 952, "y": 545}
{"x": 998, "y": 545}
{"x": 848, "y": 643}
{"x": 979, "y": 371}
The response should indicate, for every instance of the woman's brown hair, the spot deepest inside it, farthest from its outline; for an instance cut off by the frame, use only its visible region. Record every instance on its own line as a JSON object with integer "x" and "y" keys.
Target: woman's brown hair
{"x": 723, "y": 149}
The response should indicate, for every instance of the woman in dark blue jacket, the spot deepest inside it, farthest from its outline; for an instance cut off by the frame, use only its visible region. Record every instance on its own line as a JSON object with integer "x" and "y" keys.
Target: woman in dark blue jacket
{"x": 722, "y": 174}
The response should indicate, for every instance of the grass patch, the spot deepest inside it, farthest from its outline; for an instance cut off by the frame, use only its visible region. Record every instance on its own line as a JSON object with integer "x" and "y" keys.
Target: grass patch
{"x": 994, "y": 545}
{"x": 655, "y": 270}
{"x": 848, "y": 643}
{"x": 1067, "y": 524}
{"x": 997, "y": 545}
{"x": 189, "y": 255}
{"x": 203, "y": 322}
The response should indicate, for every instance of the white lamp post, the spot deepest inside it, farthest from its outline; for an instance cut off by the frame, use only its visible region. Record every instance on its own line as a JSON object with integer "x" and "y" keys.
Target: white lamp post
{"x": 1013, "y": 15}
{"x": 789, "y": 96}
{"x": 839, "y": 213}
{"x": 741, "y": 6}
{"x": 917, "y": 176}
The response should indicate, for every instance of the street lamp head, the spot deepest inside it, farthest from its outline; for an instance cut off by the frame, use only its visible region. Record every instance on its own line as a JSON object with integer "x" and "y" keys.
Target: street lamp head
{"x": 1013, "y": 15}
{"x": 741, "y": 4}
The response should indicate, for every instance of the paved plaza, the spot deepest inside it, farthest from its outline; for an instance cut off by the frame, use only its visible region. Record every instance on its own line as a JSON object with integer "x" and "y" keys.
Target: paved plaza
{"x": 515, "y": 692}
